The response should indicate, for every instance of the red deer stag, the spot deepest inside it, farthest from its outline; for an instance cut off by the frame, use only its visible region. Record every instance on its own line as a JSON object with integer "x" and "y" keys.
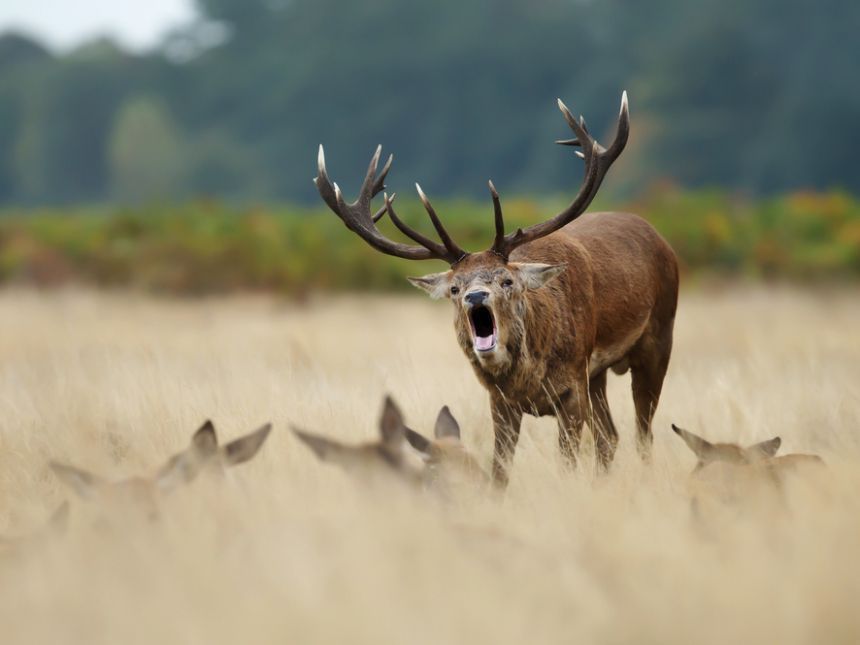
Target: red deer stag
{"x": 547, "y": 309}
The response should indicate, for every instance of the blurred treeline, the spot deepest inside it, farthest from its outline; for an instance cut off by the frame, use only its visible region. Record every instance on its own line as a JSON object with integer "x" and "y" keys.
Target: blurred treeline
{"x": 754, "y": 96}
{"x": 205, "y": 247}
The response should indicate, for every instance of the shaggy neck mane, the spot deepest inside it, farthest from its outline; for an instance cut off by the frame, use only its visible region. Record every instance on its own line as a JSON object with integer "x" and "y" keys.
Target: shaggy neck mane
{"x": 529, "y": 343}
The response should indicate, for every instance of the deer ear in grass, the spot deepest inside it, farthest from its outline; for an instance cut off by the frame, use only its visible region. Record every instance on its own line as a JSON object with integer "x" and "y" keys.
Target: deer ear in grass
{"x": 699, "y": 446}
{"x": 766, "y": 449}
{"x": 82, "y": 482}
{"x": 419, "y": 442}
{"x": 446, "y": 425}
{"x": 244, "y": 448}
{"x": 391, "y": 427}
{"x": 205, "y": 440}
{"x": 322, "y": 447}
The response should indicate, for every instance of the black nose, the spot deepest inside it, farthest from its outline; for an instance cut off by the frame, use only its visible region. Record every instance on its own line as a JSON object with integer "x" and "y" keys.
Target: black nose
{"x": 476, "y": 298}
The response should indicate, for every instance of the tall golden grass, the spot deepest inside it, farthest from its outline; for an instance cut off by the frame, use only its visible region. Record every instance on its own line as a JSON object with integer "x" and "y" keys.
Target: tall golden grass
{"x": 288, "y": 550}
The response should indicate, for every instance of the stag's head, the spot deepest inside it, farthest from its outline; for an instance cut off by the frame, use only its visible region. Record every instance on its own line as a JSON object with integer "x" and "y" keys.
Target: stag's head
{"x": 372, "y": 462}
{"x": 488, "y": 288}
{"x": 489, "y": 297}
{"x": 448, "y": 463}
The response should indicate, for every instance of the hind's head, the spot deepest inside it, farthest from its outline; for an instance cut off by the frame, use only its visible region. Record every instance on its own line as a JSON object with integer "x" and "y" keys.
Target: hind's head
{"x": 205, "y": 453}
{"x": 381, "y": 459}
{"x": 143, "y": 494}
{"x": 447, "y": 460}
{"x": 708, "y": 452}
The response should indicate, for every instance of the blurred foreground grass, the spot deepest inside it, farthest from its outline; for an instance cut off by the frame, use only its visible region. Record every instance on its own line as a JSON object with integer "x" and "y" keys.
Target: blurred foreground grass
{"x": 206, "y": 246}
{"x": 285, "y": 549}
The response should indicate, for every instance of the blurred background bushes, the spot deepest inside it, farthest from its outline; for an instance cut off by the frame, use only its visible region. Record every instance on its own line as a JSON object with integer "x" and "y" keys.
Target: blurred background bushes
{"x": 208, "y": 246}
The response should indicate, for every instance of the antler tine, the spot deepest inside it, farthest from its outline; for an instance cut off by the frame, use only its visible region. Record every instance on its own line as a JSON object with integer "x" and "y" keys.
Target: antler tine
{"x": 373, "y": 185}
{"x": 582, "y": 136}
{"x": 598, "y": 160}
{"x": 499, "y": 240}
{"x": 323, "y": 183}
{"x": 623, "y": 131}
{"x": 358, "y": 218}
{"x": 455, "y": 251}
{"x": 379, "y": 184}
{"x": 577, "y": 127}
{"x": 412, "y": 234}
{"x": 582, "y": 123}
{"x": 338, "y": 196}
{"x": 369, "y": 182}
{"x": 381, "y": 212}
{"x": 605, "y": 157}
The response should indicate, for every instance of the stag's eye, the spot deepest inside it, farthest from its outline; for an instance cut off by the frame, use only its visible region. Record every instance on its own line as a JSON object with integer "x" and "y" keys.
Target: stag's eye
{"x": 455, "y": 291}
{"x": 507, "y": 282}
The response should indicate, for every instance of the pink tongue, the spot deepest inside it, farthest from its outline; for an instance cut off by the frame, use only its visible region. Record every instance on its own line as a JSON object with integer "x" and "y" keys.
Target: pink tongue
{"x": 484, "y": 342}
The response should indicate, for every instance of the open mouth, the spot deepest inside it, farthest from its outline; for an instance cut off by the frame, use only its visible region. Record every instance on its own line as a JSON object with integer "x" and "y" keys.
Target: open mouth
{"x": 483, "y": 328}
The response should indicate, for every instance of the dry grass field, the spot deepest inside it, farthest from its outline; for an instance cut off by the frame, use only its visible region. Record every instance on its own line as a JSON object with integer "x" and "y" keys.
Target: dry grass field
{"x": 285, "y": 549}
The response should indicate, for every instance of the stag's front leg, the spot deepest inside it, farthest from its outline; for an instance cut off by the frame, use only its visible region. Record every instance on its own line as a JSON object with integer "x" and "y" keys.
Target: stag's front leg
{"x": 574, "y": 411}
{"x": 506, "y": 427}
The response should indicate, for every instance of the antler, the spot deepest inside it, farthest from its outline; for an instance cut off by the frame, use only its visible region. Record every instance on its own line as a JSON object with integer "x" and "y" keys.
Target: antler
{"x": 357, "y": 215}
{"x": 597, "y": 162}
{"x": 358, "y": 218}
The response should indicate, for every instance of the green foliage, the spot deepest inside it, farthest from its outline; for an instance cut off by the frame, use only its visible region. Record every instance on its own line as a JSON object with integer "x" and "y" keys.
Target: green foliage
{"x": 146, "y": 156}
{"x": 750, "y": 95}
{"x": 206, "y": 246}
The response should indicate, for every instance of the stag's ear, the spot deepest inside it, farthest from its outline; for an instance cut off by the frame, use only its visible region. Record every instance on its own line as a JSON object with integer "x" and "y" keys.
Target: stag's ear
{"x": 765, "y": 449}
{"x": 446, "y": 425}
{"x": 418, "y": 441}
{"x": 536, "y": 275}
{"x": 323, "y": 448}
{"x": 80, "y": 481}
{"x": 391, "y": 426}
{"x": 436, "y": 284}
{"x": 699, "y": 446}
{"x": 243, "y": 448}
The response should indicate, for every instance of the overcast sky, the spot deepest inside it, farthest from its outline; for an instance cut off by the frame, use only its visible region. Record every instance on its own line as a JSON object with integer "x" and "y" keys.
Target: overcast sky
{"x": 61, "y": 24}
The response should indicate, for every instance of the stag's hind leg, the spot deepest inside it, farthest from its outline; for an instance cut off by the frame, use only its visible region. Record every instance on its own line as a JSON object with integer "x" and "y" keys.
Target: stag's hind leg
{"x": 649, "y": 360}
{"x": 605, "y": 434}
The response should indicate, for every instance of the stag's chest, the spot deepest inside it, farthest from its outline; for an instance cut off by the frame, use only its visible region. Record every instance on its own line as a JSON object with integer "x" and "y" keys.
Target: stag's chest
{"x": 537, "y": 388}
